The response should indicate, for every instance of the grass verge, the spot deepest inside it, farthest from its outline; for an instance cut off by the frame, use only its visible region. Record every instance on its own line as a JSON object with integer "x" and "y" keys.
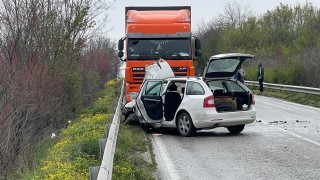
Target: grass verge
{"x": 129, "y": 162}
{"x": 76, "y": 147}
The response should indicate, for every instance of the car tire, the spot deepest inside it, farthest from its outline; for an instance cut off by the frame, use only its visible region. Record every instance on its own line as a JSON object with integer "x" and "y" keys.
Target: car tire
{"x": 235, "y": 129}
{"x": 224, "y": 107}
{"x": 185, "y": 125}
{"x": 131, "y": 119}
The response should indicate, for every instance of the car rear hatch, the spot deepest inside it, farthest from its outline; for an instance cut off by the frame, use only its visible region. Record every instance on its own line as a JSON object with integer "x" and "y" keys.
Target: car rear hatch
{"x": 229, "y": 96}
{"x": 223, "y": 66}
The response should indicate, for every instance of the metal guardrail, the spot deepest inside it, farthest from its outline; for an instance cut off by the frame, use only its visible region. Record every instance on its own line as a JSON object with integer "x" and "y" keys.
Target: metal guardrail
{"x": 302, "y": 89}
{"x": 105, "y": 170}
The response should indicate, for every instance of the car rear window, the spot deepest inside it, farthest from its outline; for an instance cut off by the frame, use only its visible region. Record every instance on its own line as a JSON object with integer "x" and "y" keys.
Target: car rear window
{"x": 194, "y": 88}
{"x": 223, "y": 65}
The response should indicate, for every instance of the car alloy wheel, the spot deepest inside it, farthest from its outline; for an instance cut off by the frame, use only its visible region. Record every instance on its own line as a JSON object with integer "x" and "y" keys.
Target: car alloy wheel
{"x": 185, "y": 125}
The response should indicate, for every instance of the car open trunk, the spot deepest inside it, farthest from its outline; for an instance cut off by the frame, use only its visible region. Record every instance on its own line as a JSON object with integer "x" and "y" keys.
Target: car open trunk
{"x": 235, "y": 101}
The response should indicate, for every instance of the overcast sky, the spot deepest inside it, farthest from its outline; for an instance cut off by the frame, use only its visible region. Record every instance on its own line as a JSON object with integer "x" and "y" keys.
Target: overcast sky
{"x": 201, "y": 10}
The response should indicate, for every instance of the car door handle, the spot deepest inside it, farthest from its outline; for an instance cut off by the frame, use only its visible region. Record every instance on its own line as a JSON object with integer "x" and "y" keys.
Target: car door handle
{"x": 151, "y": 99}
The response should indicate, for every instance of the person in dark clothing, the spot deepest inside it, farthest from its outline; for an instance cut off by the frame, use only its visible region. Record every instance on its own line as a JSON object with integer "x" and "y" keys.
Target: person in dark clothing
{"x": 237, "y": 76}
{"x": 172, "y": 87}
{"x": 260, "y": 77}
{"x": 240, "y": 75}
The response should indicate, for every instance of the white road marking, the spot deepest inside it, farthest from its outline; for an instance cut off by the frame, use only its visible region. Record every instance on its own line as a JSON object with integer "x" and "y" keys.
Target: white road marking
{"x": 306, "y": 139}
{"x": 165, "y": 161}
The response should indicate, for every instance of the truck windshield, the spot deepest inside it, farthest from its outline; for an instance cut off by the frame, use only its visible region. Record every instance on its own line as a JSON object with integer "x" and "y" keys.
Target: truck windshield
{"x": 146, "y": 49}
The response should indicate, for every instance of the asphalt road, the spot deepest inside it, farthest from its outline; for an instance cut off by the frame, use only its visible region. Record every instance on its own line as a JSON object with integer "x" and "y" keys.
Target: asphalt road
{"x": 283, "y": 144}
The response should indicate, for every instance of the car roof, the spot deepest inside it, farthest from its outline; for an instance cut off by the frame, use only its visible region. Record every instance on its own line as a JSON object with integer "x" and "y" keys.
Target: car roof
{"x": 183, "y": 78}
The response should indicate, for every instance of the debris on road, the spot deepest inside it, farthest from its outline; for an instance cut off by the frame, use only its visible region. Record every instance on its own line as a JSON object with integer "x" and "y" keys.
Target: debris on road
{"x": 277, "y": 122}
{"x": 303, "y": 121}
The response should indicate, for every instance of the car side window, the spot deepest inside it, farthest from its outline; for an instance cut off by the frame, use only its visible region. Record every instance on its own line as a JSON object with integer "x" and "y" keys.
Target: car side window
{"x": 152, "y": 88}
{"x": 194, "y": 88}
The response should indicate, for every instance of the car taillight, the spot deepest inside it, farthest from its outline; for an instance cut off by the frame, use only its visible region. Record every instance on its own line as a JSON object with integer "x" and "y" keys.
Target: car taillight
{"x": 208, "y": 102}
{"x": 253, "y": 102}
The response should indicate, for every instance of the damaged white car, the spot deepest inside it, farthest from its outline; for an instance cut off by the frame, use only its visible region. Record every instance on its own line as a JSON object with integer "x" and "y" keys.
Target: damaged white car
{"x": 194, "y": 103}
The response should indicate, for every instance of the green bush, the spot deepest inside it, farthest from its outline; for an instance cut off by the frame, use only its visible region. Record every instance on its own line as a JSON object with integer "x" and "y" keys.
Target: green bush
{"x": 277, "y": 75}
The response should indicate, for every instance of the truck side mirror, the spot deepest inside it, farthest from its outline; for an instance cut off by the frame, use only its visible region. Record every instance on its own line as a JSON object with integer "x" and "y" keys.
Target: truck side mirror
{"x": 121, "y": 44}
{"x": 198, "y": 53}
{"x": 197, "y": 44}
{"x": 120, "y": 54}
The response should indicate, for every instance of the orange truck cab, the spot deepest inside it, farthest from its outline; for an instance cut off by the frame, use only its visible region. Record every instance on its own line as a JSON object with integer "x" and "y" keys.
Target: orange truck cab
{"x": 154, "y": 33}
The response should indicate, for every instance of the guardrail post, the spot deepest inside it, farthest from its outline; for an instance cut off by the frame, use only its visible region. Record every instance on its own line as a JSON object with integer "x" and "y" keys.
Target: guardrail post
{"x": 93, "y": 172}
{"x": 102, "y": 146}
{"x": 109, "y": 125}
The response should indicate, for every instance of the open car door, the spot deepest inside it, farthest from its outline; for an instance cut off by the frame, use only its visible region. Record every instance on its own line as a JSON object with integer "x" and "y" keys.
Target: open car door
{"x": 149, "y": 101}
{"x": 148, "y": 104}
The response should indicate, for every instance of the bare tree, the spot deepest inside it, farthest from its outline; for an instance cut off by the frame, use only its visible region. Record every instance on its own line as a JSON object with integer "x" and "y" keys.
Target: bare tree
{"x": 41, "y": 43}
{"x": 311, "y": 67}
{"x": 98, "y": 64}
{"x": 235, "y": 14}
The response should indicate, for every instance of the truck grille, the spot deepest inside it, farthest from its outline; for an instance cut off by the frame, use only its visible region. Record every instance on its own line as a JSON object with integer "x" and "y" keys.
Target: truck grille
{"x": 180, "y": 71}
{"x": 139, "y": 72}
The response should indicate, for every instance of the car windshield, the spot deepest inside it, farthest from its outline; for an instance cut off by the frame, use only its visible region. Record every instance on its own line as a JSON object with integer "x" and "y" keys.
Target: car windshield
{"x": 223, "y": 65}
{"x": 146, "y": 49}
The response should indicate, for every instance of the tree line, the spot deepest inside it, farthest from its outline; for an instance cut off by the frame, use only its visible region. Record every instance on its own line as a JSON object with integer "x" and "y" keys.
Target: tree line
{"x": 52, "y": 61}
{"x": 286, "y": 40}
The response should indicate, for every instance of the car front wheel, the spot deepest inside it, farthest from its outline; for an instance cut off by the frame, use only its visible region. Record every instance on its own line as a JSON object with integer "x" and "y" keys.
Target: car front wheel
{"x": 131, "y": 119}
{"x": 185, "y": 125}
{"x": 235, "y": 129}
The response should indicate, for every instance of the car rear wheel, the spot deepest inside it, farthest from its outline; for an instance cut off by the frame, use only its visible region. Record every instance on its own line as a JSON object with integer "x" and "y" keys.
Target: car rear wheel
{"x": 185, "y": 125}
{"x": 235, "y": 129}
